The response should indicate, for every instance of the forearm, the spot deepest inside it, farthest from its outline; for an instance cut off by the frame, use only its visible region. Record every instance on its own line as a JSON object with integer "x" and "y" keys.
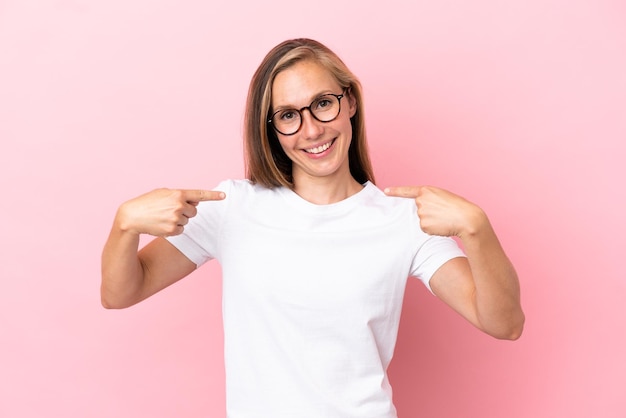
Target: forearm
{"x": 122, "y": 272}
{"x": 130, "y": 275}
{"x": 497, "y": 290}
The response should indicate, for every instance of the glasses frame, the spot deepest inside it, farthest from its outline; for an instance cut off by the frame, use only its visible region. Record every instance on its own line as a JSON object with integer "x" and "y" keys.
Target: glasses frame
{"x": 338, "y": 96}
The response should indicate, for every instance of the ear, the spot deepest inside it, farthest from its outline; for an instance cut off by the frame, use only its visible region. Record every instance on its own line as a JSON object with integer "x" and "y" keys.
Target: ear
{"x": 352, "y": 102}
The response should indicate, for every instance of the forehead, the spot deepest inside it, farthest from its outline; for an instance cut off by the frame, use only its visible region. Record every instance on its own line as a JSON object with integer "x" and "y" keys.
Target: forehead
{"x": 301, "y": 83}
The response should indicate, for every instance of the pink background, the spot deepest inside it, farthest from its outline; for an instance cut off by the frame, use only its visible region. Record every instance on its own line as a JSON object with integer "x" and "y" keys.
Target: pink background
{"x": 518, "y": 106}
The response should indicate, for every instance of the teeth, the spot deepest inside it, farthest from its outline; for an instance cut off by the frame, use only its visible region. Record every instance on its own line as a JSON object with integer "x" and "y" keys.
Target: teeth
{"x": 319, "y": 149}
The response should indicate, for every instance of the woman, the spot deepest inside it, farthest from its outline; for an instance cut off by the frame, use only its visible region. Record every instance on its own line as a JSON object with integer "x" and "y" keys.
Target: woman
{"x": 314, "y": 257}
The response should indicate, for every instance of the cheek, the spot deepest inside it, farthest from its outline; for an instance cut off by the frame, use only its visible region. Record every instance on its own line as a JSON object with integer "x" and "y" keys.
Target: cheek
{"x": 346, "y": 129}
{"x": 286, "y": 144}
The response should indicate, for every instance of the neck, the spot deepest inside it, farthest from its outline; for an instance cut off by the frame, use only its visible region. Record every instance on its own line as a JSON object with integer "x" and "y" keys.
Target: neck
{"x": 326, "y": 190}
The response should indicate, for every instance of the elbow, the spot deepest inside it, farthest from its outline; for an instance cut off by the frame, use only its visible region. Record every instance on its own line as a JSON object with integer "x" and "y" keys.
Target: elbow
{"x": 513, "y": 331}
{"x": 518, "y": 328}
{"x": 507, "y": 326}
{"x": 106, "y": 304}
{"x": 116, "y": 296}
{"x": 513, "y": 334}
{"x": 109, "y": 302}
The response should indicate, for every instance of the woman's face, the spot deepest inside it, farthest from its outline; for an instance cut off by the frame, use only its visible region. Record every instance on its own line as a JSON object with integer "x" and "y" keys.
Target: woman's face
{"x": 319, "y": 149}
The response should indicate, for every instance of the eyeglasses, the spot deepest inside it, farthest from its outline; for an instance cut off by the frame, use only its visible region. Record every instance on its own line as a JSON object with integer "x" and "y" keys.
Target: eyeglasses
{"x": 325, "y": 108}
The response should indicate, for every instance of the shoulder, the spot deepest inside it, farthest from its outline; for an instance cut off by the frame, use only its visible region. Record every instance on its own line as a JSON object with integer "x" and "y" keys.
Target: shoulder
{"x": 376, "y": 198}
{"x": 238, "y": 188}
{"x": 373, "y": 209}
{"x": 235, "y": 185}
{"x": 243, "y": 189}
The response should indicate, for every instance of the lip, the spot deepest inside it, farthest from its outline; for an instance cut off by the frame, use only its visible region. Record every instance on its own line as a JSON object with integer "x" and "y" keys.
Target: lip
{"x": 328, "y": 144}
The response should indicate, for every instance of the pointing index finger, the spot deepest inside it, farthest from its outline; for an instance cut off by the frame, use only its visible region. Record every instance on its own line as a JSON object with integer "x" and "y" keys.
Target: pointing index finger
{"x": 203, "y": 195}
{"x": 403, "y": 191}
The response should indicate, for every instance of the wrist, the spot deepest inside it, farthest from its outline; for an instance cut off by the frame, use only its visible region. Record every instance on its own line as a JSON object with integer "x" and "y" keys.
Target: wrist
{"x": 475, "y": 224}
{"x": 123, "y": 222}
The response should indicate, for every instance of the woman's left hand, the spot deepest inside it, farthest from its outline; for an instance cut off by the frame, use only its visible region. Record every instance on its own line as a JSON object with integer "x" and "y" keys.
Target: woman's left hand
{"x": 442, "y": 212}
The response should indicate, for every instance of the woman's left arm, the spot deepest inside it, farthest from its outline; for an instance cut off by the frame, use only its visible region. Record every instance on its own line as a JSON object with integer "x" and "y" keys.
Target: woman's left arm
{"x": 483, "y": 288}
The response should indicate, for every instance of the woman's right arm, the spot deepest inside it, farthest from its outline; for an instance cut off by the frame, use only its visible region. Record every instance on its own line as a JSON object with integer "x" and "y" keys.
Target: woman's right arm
{"x": 129, "y": 275}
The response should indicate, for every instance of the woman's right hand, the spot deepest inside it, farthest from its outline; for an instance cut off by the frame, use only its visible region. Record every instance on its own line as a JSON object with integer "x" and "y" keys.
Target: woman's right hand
{"x": 162, "y": 212}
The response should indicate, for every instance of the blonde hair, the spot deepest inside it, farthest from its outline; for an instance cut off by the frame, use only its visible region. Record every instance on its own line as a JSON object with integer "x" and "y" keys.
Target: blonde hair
{"x": 266, "y": 162}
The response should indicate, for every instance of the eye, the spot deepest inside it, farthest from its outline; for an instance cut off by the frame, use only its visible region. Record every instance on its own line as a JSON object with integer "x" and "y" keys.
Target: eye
{"x": 288, "y": 115}
{"x": 323, "y": 103}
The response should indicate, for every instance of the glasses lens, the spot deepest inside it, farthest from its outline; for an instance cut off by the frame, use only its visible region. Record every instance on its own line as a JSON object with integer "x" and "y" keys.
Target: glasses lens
{"x": 286, "y": 121}
{"x": 325, "y": 108}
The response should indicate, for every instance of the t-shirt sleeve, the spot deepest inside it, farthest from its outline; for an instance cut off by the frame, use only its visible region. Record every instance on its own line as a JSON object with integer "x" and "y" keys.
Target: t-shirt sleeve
{"x": 431, "y": 255}
{"x": 199, "y": 241}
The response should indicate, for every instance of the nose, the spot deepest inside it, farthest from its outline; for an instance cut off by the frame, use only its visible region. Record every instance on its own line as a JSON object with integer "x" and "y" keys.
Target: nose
{"x": 311, "y": 128}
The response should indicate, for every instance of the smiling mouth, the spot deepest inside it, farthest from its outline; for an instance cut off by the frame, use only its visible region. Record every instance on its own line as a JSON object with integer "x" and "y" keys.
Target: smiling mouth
{"x": 320, "y": 149}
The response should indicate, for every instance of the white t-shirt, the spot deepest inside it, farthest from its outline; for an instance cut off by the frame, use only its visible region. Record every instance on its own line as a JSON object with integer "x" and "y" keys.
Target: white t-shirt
{"x": 312, "y": 296}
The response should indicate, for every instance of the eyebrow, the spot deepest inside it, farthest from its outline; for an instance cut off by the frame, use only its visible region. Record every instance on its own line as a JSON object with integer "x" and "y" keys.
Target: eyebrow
{"x": 316, "y": 96}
